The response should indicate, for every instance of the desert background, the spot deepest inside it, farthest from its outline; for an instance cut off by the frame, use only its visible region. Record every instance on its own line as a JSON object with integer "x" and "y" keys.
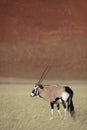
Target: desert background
{"x": 35, "y": 34}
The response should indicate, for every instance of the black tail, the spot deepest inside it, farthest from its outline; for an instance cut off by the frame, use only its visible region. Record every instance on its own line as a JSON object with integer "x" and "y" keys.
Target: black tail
{"x": 70, "y": 106}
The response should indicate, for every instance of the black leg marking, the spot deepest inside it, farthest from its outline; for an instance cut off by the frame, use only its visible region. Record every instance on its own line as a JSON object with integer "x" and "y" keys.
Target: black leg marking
{"x": 52, "y": 105}
{"x": 58, "y": 106}
{"x": 68, "y": 105}
{"x": 57, "y": 99}
{"x": 64, "y": 104}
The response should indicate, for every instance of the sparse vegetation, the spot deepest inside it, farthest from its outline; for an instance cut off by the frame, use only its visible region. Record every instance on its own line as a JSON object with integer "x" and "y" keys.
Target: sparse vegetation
{"x": 18, "y": 111}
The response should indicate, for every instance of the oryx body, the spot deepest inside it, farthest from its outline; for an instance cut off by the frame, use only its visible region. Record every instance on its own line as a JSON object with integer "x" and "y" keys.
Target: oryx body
{"x": 51, "y": 92}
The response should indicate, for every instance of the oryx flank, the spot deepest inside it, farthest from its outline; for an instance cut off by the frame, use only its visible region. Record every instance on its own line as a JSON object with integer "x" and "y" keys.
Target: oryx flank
{"x": 55, "y": 94}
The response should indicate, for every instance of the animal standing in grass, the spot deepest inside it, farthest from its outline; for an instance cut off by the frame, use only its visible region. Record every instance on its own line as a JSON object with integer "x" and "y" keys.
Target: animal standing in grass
{"x": 55, "y": 94}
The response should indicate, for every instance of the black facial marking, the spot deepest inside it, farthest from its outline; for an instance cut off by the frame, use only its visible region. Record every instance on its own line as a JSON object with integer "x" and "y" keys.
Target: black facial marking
{"x": 33, "y": 91}
{"x": 41, "y": 86}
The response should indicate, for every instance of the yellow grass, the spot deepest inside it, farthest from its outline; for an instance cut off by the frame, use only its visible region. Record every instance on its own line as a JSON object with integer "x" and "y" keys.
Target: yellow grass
{"x": 18, "y": 111}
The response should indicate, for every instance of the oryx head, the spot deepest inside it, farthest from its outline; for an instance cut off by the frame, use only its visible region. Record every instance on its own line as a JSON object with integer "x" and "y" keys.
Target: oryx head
{"x": 36, "y": 90}
{"x": 38, "y": 85}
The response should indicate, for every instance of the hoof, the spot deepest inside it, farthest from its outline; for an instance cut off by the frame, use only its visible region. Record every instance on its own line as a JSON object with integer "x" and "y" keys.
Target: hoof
{"x": 51, "y": 118}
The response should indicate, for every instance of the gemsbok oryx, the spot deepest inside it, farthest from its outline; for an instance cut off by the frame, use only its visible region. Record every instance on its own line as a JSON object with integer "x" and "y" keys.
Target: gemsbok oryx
{"x": 55, "y": 94}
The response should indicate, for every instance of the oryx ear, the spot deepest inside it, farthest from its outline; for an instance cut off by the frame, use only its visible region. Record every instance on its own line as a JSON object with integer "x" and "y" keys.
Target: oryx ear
{"x": 40, "y": 86}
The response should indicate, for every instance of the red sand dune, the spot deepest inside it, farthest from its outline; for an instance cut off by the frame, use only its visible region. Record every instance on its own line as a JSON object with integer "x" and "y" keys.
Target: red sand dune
{"x": 34, "y": 34}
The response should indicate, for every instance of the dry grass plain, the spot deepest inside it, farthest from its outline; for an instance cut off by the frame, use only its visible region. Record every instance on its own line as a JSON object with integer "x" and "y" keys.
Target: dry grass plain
{"x": 18, "y": 111}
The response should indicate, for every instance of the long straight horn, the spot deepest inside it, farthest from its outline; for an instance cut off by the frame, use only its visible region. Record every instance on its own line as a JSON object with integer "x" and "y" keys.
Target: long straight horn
{"x": 46, "y": 72}
{"x": 43, "y": 75}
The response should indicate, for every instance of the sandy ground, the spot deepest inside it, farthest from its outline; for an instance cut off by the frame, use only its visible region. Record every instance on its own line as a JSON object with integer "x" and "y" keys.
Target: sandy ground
{"x": 18, "y": 111}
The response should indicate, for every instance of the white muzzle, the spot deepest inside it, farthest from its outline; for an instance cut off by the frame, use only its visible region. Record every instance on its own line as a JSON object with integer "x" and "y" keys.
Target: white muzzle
{"x": 32, "y": 94}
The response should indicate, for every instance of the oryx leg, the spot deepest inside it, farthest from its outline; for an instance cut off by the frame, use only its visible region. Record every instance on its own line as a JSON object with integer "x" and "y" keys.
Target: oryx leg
{"x": 58, "y": 108}
{"x": 68, "y": 106}
{"x": 52, "y": 109}
{"x": 65, "y": 108}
